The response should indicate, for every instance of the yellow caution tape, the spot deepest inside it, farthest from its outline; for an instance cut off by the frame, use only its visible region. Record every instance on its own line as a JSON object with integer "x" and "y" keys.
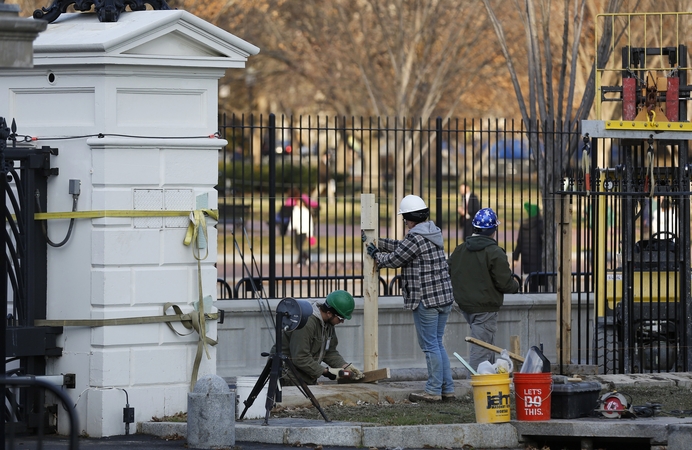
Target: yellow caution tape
{"x": 99, "y": 214}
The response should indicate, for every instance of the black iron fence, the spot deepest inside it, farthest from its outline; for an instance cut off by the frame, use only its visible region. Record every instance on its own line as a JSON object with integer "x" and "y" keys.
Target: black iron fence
{"x": 456, "y": 166}
{"x": 640, "y": 215}
{"x": 628, "y": 216}
{"x": 27, "y": 428}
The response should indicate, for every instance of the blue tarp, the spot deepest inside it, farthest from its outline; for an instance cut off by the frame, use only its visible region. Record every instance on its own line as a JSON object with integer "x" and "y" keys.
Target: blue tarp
{"x": 510, "y": 149}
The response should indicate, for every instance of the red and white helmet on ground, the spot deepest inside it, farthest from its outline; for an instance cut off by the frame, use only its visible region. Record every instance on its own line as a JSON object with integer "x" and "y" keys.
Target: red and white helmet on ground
{"x": 413, "y": 208}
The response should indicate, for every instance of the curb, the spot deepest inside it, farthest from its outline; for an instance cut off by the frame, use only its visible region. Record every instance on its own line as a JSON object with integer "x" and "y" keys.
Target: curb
{"x": 674, "y": 433}
{"x": 296, "y": 432}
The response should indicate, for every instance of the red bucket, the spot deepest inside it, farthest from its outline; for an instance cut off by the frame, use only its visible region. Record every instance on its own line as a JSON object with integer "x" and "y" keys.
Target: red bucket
{"x": 532, "y": 395}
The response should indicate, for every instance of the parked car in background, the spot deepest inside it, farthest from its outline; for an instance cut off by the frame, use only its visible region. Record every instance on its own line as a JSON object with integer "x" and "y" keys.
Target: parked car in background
{"x": 507, "y": 158}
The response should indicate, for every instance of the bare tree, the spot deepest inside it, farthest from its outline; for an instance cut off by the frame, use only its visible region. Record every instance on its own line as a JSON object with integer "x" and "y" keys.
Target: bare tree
{"x": 407, "y": 60}
{"x": 555, "y": 74}
{"x": 420, "y": 59}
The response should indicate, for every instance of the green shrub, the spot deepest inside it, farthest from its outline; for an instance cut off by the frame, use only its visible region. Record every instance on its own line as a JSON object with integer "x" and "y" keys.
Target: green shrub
{"x": 243, "y": 177}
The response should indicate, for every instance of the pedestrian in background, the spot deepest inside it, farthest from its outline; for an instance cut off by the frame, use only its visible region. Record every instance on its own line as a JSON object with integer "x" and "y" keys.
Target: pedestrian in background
{"x": 302, "y": 227}
{"x": 530, "y": 246}
{"x": 468, "y": 207}
{"x": 427, "y": 290}
{"x": 481, "y": 276}
{"x": 293, "y": 196}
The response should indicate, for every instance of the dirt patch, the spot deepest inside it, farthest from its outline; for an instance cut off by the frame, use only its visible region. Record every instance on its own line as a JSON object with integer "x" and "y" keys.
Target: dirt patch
{"x": 660, "y": 401}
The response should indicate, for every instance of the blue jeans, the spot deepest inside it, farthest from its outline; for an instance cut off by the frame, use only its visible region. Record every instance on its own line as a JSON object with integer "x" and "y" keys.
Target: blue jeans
{"x": 430, "y": 327}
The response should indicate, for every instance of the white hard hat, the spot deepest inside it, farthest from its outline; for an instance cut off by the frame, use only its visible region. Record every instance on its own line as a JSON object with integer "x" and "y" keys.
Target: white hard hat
{"x": 411, "y": 203}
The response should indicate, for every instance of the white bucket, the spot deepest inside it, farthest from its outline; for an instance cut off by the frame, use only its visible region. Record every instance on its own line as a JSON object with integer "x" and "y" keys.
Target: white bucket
{"x": 244, "y": 386}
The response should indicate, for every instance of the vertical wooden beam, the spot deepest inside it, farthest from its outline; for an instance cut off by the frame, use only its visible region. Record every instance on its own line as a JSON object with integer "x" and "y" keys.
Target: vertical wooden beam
{"x": 514, "y": 345}
{"x": 564, "y": 283}
{"x": 369, "y": 223}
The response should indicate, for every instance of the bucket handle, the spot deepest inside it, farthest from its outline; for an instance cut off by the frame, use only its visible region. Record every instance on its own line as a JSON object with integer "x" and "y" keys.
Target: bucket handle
{"x": 542, "y": 399}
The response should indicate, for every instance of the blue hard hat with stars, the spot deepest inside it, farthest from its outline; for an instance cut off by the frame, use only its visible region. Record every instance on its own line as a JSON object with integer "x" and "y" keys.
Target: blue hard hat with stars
{"x": 485, "y": 218}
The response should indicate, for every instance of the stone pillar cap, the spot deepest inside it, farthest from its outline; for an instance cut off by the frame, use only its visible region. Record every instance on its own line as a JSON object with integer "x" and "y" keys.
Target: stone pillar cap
{"x": 211, "y": 384}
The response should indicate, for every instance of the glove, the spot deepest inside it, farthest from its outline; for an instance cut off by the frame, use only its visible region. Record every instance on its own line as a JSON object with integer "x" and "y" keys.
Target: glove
{"x": 372, "y": 250}
{"x": 363, "y": 237}
{"x": 357, "y": 374}
{"x": 331, "y": 373}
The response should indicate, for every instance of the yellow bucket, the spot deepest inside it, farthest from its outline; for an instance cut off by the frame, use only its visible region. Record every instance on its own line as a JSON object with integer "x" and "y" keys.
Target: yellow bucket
{"x": 491, "y": 396}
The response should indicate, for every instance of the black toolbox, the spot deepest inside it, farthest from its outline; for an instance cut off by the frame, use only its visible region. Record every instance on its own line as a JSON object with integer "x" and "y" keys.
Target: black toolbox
{"x": 572, "y": 400}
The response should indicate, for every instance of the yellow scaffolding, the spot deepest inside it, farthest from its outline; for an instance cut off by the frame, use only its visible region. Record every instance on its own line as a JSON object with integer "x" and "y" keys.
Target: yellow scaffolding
{"x": 645, "y": 30}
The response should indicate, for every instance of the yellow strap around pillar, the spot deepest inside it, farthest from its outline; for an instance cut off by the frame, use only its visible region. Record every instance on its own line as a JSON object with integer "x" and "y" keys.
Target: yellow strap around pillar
{"x": 193, "y": 321}
{"x": 102, "y": 213}
{"x": 192, "y": 237}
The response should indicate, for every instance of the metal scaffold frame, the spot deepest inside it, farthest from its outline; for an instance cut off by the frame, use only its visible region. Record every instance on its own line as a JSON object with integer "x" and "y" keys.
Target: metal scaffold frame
{"x": 642, "y": 277}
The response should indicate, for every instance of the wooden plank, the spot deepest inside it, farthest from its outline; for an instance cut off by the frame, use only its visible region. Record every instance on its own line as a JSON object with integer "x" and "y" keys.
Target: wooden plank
{"x": 370, "y": 377}
{"x": 494, "y": 348}
{"x": 371, "y": 285}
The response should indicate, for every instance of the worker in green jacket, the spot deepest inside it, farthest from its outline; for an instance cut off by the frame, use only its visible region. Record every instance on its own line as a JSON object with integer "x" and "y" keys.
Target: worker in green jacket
{"x": 481, "y": 275}
{"x": 316, "y": 342}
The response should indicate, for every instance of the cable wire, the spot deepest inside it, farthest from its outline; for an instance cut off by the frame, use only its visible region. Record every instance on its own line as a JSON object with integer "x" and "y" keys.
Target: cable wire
{"x": 44, "y": 225}
{"x": 259, "y": 293}
{"x": 27, "y": 138}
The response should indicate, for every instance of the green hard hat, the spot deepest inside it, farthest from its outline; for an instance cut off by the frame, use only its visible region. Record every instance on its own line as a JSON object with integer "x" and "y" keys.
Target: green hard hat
{"x": 341, "y": 302}
{"x": 531, "y": 209}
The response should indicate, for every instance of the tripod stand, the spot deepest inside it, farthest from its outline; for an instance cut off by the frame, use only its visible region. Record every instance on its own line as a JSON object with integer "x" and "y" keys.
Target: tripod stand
{"x": 290, "y": 314}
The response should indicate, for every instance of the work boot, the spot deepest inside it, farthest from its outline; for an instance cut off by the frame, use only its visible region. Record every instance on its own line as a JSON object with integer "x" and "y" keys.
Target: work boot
{"x": 416, "y": 397}
{"x": 448, "y": 397}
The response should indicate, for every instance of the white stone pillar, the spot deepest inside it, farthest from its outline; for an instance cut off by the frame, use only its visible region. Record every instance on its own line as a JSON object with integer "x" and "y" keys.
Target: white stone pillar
{"x": 130, "y": 106}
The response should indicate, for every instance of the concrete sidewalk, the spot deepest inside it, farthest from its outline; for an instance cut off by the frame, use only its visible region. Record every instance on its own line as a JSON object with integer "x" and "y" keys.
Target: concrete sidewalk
{"x": 676, "y": 433}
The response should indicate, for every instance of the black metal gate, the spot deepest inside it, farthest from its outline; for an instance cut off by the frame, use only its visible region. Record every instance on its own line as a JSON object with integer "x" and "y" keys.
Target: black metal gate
{"x": 642, "y": 257}
{"x": 24, "y": 171}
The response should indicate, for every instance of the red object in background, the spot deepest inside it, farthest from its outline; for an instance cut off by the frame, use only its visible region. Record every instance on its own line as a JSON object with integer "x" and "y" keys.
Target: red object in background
{"x": 672, "y": 99}
{"x": 306, "y": 199}
{"x": 629, "y": 98}
{"x": 313, "y": 241}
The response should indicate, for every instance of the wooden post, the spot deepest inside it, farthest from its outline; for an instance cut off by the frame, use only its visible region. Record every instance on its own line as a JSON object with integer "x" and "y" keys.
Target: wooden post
{"x": 514, "y": 345}
{"x": 564, "y": 283}
{"x": 369, "y": 223}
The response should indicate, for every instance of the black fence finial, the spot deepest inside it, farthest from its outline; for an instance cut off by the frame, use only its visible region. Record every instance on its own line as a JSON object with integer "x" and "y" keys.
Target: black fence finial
{"x": 106, "y": 10}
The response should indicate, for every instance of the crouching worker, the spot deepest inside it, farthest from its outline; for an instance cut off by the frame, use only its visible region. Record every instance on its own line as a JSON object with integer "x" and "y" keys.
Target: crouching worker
{"x": 316, "y": 343}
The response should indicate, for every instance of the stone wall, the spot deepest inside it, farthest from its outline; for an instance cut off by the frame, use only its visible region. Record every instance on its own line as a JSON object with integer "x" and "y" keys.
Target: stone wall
{"x": 246, "y": 333}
